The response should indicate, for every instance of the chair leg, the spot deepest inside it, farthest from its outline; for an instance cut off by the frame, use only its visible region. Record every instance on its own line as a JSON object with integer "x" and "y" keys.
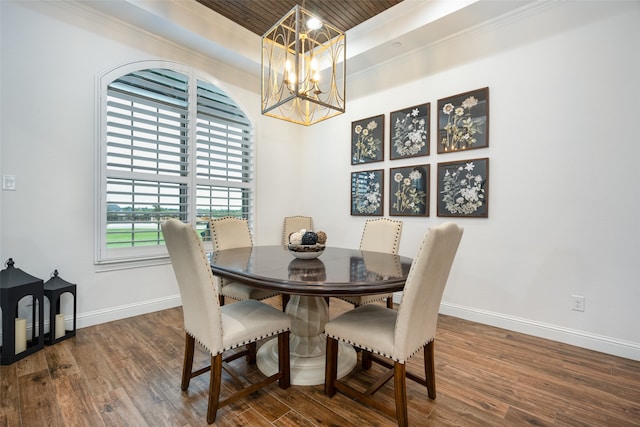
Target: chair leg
{"x": 400, "y": 387}
{"x": 221, "y": 299}
{"x": 331, "y": 367}
{"x": 390, "y": 302}
{"x": 187, "y": 365}
{"x": 285, "y": 301}
{"x": 366, "y": 359}
{"x": 214, "y": 388}
{"x": 430, "y": 369}
{"x": 251, "y": 353}
{"x": 284, "y": 361}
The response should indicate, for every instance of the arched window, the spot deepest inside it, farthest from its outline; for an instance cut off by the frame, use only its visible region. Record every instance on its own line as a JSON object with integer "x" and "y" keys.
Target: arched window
{"x": 172, "y": 145}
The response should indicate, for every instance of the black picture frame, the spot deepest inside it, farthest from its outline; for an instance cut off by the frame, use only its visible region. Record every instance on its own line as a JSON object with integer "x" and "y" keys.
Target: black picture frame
{"x": 463, "y": 121}
{"x": 367, "y": 140}
{"x": 409, "y": 190}
{"x": 463, "y": 188}
{"x": 367, "y": 193}
{"x": 410, "y": 132}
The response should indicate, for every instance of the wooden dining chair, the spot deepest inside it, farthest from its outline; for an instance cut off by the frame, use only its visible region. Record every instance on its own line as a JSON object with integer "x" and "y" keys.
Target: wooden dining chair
{"x": 389, "y": 337}
{"x": 293, "y": 224}
{"x": 229, "y": 233}
{"x": 220, "y": 328}
{"x": 378, "y": 235}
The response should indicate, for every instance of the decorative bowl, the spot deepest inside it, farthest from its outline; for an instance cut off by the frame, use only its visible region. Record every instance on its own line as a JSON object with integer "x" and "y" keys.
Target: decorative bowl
{"x": 306, "y": 251}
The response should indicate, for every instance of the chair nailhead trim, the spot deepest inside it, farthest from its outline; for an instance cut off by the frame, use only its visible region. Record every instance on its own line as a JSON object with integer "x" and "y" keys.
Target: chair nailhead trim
{"x": 255, "y": 339}
{"x": 223, "y": 293}
{"x": 241, "y": 343}
{"x": 364, "y": 347}
{"x": 381, "y": 297}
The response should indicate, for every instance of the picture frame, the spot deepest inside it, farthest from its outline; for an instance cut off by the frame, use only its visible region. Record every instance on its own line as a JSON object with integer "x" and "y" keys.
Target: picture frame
{"x": 463, "y": 121}
{"x": 367, "y": 140}
{"x": 409, "y": 190}
{"x": 367, "y": 193}
{"x": 463, "y": 188}
{"x": 409, "y": 132}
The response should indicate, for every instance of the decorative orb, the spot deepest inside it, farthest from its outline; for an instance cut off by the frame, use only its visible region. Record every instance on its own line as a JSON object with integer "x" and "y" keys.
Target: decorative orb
{"x": 306, "y": 251}
{"x": 295, "y": 238}
{"x": 322, "y": 237}
{"x": 309, "y": 238}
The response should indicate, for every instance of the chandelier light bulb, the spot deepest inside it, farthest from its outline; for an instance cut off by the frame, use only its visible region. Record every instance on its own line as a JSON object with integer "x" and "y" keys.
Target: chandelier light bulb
{"x": 314, "y": 23}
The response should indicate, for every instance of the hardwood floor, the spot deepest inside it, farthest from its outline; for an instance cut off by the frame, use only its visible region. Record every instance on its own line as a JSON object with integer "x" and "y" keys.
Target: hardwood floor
{"x": 127, "y": 373}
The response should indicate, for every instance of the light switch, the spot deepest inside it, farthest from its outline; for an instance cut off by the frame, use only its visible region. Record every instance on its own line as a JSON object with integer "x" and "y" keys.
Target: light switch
{"x": 9, "y": 182}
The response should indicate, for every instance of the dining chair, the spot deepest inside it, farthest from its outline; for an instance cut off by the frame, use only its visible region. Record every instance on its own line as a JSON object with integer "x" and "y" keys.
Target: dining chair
{"x": 378, "y": 235}
{"x": 389, "y": 337}
{"x": 229, "y": 233}
{"x": 220, "y": 328}
{"x": 293, "y": 224}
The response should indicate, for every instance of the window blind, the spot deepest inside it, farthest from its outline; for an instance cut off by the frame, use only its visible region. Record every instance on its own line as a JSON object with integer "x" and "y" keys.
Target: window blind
{"x": 176, "y": 147}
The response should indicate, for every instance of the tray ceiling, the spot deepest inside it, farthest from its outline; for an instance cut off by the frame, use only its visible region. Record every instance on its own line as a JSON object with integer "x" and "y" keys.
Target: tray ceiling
{"x": 258, "y": 16}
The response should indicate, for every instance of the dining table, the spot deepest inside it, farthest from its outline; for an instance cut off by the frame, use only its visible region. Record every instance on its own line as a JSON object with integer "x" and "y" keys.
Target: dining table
{"x": 335, "y": 272}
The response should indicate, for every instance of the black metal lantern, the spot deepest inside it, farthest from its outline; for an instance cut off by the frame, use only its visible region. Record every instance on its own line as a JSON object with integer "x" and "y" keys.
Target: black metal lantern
{"x": 15, "y": 284}
{"x": 54, "y": 288}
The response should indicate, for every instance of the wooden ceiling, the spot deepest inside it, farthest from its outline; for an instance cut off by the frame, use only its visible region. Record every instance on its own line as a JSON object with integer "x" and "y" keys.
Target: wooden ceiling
{"x": 258, "y": 16}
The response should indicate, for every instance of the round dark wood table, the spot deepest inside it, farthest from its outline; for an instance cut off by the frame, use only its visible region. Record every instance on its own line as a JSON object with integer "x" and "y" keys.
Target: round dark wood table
{"x": 336, "y": 272}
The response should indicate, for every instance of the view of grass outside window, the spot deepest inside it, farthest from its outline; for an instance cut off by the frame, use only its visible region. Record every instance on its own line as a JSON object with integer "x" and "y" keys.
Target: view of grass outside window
{"x": 170, "y": 154}
{"x": 129, "y": 228}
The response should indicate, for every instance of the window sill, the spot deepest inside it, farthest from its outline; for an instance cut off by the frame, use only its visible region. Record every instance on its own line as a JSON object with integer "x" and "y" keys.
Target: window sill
{"x": 123, "y": 264}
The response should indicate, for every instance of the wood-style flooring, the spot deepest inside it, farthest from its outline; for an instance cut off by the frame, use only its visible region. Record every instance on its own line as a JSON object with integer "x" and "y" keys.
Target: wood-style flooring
{"x": 127, "y": 373}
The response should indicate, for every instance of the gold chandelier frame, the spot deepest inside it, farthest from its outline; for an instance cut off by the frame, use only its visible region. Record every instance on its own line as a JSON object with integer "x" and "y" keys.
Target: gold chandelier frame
{"x": 303, "y": 69}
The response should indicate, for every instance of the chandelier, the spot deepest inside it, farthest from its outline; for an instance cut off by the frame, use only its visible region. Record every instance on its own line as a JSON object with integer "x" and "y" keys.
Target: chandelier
{"x": 303, "y": 69}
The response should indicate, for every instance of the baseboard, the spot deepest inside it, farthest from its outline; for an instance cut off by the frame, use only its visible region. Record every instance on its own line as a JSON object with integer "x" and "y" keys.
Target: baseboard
{"x": 613, "y": 346}
{"x": 616, "y": 347}
{"x": 97, "y": 317}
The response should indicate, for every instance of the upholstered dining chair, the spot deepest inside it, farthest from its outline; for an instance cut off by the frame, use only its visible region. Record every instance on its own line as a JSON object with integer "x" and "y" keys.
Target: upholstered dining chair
{"x": 384, "y": 333}
{"x": 378, "y": 235}
{"x": 217, "y": 328}
{"x": 295, "y": 223}
{"x": 229, "y": 233}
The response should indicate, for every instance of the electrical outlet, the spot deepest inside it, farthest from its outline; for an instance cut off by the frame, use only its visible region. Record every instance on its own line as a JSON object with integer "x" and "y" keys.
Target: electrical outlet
{"x": 9, "y": 182}
{"x": 577, "y": 303}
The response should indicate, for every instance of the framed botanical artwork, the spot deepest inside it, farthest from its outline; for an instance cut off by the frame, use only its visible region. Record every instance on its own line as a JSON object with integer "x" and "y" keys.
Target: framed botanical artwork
{"x": 463, "y": 121}
{"x": 409, "y": 191}
{"x": 409, "y": 132}
{"x": 463, "y": 188}
{"x": 367, "y": 190}
{"x": 367, "y": 140}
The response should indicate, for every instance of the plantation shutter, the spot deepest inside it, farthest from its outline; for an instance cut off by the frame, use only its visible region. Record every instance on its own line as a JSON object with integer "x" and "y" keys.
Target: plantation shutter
{"x": 223, "y": 155}
{"x": 157, "y": 166}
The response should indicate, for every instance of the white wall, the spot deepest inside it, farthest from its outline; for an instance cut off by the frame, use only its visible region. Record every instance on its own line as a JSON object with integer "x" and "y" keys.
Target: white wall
{"x": 563, "y": 149}
{"x": 52, "y": 54}
{"x": 563, "y": 101}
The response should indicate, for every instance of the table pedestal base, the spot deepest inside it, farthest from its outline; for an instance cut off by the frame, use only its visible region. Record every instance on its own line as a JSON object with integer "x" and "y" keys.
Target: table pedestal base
{"x": 305, "y": 370}
{"x": 307, "y": 344}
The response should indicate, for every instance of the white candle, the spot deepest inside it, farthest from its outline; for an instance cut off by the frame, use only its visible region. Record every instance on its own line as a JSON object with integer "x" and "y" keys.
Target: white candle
{"x": 21, "y": 335}
{"x": 60, "y": 327}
